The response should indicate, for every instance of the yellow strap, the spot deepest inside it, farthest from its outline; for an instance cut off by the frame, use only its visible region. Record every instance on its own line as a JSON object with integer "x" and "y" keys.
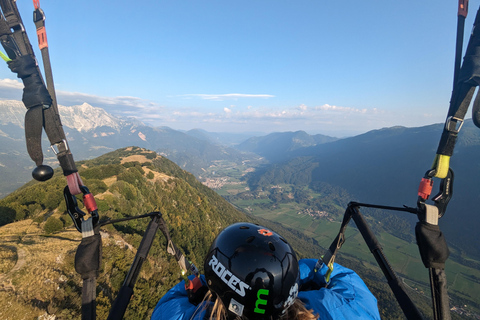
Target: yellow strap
{"x": 329, "y": 272}
{"x": 329, "y": 265}
{"x": 441, "y": 164}
{"x": 4, "y": 57}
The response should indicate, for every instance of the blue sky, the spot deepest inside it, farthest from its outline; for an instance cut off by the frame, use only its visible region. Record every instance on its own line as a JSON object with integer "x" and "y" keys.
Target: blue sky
{"x": 333, "y": 67}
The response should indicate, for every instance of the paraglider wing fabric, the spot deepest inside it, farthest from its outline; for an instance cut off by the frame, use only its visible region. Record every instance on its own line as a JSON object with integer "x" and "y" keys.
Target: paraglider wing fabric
{"x": 345, "y": 297}
{"x": 174, "y": 305}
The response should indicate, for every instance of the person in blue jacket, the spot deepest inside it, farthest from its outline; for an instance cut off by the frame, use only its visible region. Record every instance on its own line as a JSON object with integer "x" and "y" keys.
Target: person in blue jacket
{"x": 252, "y": 272}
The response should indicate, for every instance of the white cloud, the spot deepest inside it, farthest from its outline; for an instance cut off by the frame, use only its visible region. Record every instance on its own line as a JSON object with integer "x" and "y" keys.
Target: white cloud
{"x": 11, "y": 84}
{"x": 228, "y": 96}
{"x": 327, "y": 107}
{"x": 326, "y": 118}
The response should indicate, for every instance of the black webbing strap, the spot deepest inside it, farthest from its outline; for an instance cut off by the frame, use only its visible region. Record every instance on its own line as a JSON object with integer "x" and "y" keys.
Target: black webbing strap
{"x": 40, "y": 103}
{"x": 329, "y": 256}
{"x": 458, "y": 108}
{"x": 463, "y": 90}
{"x": 172, "y": 249}
{"x": 120, "y": 304}
{"x": 52, "y": 123}
{"x": 33, "y": 134}
{"x": 18, "y": 35}
{"x": 352, "y": 212}
{"x": 462, "y": 15}
{"x": 434, "y": 253}
{"x": 87, "y": 263}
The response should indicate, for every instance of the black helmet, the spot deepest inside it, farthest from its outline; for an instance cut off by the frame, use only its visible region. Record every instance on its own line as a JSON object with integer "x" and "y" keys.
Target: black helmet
{"x": 253, "y": 270}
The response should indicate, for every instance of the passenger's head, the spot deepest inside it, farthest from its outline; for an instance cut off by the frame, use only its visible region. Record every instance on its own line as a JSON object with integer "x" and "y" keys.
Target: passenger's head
{"x": 253, "y": 271}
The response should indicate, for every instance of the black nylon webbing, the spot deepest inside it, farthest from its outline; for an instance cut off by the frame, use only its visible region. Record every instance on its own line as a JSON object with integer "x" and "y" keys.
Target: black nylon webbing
{"x": 458, "y": 108}
{"x": 35, "y": 93}
{"x": 88, "y": 299}
{"x": 468, "y": 79}
{"x": 329, "y": 256}
{"x": 33, "y": 134}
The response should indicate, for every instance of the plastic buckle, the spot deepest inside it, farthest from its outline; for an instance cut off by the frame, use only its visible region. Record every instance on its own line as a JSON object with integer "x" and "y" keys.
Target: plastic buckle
{"x": 459, "y": 124}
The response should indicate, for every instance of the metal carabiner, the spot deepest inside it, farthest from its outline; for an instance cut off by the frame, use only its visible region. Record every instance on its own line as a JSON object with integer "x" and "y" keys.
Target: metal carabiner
{"x": 74, "y": 211}
{"x": 445, "y": 195}
{"x": 442, "y": 198}
{"x": 72, "y": 208}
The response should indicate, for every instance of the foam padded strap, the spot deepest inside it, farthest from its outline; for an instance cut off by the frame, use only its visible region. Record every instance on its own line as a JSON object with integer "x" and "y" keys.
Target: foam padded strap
{"x": 34, "y": 92}
{"x": 432, "y": 245}
{"x": 89, "y": 256}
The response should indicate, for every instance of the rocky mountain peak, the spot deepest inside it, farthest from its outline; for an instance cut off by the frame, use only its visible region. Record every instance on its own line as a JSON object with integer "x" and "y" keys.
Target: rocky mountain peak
{"x": 82, "y": 117}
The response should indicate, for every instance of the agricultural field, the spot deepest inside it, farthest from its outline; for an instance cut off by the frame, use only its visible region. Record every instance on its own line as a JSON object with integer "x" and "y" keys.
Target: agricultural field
{"x": 323, "y": 226}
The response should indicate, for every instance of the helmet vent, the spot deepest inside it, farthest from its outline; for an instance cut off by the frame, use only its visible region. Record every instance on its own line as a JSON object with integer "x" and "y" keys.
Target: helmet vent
{"x": 284, "y": 240}
{"x": 244, "y": 227}
{"x": 271, "y": 246}
{"x": 250, "y": 239}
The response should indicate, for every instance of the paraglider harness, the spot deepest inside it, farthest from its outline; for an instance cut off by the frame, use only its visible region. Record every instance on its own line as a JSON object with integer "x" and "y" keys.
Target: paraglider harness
{"x": 431, "y": 241}
{"x": 42, "y": 112}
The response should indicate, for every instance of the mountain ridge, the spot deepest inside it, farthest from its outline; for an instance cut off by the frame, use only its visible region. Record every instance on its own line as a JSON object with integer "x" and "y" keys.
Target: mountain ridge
{"x": 275, "y": 146}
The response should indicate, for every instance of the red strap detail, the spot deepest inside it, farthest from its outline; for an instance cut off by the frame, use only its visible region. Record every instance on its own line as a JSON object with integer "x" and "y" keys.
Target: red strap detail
{"x": 194, "y": 284}
{"x": 463, "y": 8}
{"x": 36, "y": 4}
{"x": 89, "y": 202}
{"x": 425, "y": 188}
{"x": 74, "y": 182}
{"x": 42, "y": 38}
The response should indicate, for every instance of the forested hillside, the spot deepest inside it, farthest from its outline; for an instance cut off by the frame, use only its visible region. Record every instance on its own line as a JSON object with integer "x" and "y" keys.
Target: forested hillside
{"x": 279, "y": 146}
{"x": 385, "y": 167}
{"x": 38, "y": 241}
{"x": 125, "y": 183}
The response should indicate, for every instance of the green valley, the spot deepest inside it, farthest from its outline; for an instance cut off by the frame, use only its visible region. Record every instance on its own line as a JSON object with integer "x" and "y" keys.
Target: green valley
{"x": 318, "y": 215}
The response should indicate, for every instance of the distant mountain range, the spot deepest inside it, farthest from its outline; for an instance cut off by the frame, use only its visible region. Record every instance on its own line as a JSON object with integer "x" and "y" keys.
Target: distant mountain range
{"x": 276, "y": 147}
{"x": 92, "y": 132}
{"x": 381, "y": 166}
